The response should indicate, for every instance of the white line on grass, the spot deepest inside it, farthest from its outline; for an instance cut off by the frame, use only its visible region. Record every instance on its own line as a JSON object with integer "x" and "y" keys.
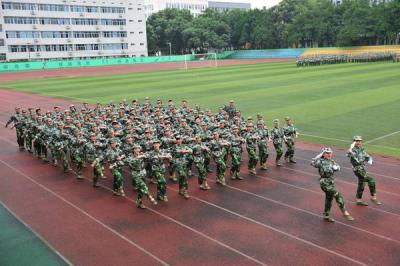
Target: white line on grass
{"x": 37, "y": 234}
{"x": 382, "y": 137}
{"x": 85, "y": 213}
{"x": 342, "y": 140}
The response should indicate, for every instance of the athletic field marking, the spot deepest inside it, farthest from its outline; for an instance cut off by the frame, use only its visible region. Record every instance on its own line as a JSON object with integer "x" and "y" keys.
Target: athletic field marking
{"x": 342, "y": 140}
{"x": 382, "y": 137}
{"x": 311, "y": 213}
{"x": 84, "y": 212}
{"x": 37, "y": 234}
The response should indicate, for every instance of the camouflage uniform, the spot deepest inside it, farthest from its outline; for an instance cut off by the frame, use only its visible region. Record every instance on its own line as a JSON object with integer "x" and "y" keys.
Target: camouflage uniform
{"x": 263, "y": 133}
{"x": 277, "y": 136}
{"x": 236, "y": 154}
{"x": 217, "y": 148}
{"x": 156, "y": 160}
{"x": 326, "y": 169}
{"x": 92, "y": 153}
{"x": 60, "y": 147}
{"x": 180, "y": 161}
{"x": 136, "y": 164}
{"x": 290, "y": 132}
{"x": 76, "y": 145}
{"x": 113, "y": 157}
{"x": 358, "y": 158}
{"x": 198, "y": 157}
{"x": 18, "y": 120}
{"x": 251, "y": 146}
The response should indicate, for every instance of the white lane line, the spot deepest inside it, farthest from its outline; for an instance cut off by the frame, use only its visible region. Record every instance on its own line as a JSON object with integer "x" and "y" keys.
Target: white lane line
{"x": 382, "y": 137}
{"x": 37, "y": 234}
{"x": 311, "y": 213}
{"x": 85, "y": 213}
{"x": 342, "y": 140}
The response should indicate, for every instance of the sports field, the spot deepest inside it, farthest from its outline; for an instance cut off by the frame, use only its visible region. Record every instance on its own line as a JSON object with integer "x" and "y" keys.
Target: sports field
{"x": 329, "y": 104}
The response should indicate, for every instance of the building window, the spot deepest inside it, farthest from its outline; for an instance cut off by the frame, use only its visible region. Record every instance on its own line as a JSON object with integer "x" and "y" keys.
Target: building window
{"x": 18, "y": 6}
{"x": 1, "y": 42}
{"x": 113, "y": 22}
{"x": 19, "y": 20}
{"x": 50, "y": 7}
{"x": 85, "y": 21}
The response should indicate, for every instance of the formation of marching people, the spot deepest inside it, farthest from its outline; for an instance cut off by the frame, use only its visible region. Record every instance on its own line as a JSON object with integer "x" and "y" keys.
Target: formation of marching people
{"x": 153, "y": 138}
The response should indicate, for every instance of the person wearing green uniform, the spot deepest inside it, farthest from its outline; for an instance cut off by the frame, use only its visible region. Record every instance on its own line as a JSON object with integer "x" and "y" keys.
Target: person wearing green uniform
{"x": 251, "y": 146}
{"x": 277, "y": 137}
{"x": 135, "y": 161}
{"x": 291, "y": 133}
{"x": 92, "y": 153}
{"x": 236, "y": 150}
{"x": 326, "y": 169}
{"x": 76, "y": 145}
{"x": 263, "y": 133}
{"x": 156, "y": 162}
{"x": 199, "y": 150}
{"x": 358, "y": 158}
{"x": 114, "y": 156}
{"x": 59, "y": 141}
{"x": 179, "y": 154}
{"x": 18, "y": 122}
{"x": 217, "y": 147}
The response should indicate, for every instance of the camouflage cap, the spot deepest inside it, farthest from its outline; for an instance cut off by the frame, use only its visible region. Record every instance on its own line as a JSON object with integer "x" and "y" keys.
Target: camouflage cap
{"x": 287, "y": 118}
{"x": 357, "y": 138}
{"x": 113, "y": 140}
{"x": 250, "y": 125}
{"x": 235, "y": 127}
{"x": 276, "y": 120}
{"x": 327, "y": 150}
{"x": 92, "y": 135}
{"x": 156, "y": 141}
{"x": 136, "y": 147}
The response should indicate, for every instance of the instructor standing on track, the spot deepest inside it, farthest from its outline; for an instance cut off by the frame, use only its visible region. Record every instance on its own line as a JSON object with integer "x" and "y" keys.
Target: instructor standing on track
{"x": 358, "y": 158}
{"x": 326, "y": 168}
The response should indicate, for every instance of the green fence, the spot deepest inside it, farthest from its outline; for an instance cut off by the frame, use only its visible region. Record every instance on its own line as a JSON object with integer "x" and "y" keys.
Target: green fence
{"x": 42, "y": 65}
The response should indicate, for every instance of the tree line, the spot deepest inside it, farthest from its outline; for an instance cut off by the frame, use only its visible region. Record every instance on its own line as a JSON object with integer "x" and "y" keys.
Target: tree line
{"x": 290, "y": 24}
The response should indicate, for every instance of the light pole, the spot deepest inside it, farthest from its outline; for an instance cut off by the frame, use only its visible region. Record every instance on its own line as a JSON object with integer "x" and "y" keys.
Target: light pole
{"x": 170, "y": 49}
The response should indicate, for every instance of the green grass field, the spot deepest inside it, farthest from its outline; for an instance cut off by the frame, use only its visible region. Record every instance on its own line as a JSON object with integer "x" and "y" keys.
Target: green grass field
{"x": 330, "y": 104}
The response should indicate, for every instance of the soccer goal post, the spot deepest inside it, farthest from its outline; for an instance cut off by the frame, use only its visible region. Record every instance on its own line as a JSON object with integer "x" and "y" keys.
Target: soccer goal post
{"x": 200, "y": 60}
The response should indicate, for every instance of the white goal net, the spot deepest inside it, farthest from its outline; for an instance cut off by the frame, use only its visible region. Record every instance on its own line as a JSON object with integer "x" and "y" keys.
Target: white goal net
{"x": 201, "y": 60}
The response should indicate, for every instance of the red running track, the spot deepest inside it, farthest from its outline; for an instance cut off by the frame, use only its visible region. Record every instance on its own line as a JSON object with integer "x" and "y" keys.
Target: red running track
{"x": 273, "y": 218}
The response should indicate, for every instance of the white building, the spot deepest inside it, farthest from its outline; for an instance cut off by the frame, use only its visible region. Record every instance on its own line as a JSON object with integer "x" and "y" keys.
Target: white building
{"x": 226, "y": 6}
{"x": 196, "y": 7}
{"x": 59, "y": 29}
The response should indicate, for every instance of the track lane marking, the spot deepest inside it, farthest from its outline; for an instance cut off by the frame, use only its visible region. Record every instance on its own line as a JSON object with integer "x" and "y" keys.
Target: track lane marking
{"x": 84, "y": 212}
{"x": 36, "y": 234}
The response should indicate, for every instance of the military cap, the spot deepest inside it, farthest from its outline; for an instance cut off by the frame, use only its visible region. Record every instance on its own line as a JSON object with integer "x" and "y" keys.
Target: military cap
{"x": 231, "y": 101}
{"x": 156, "y": 141}
{"x": 276, "y": 120}
{"x": 222, "y": 121}
{"x": 113, "y": 140}
{"x": 75, "y": 129}
{"x": 92, "y": 134}
{"x": 71, "y": 105}
{"x": 178, "y": 137}
{"x": 235, "y": 127}
{"x": 136, "y": 146}
{"x": 24, "y": 111}
{"x": 260, "y": 122}
{"x": 203, "y": 124}
{"x": 197, "y": 136}
{"x": 357, "y": 138}
{"x": 67, "y": 110}
{"x": 249, "y": 118}
{"x": 147, "y": 131}
{"x": 114, "y": 123}
{"x": 59, "y": 124}
{"x": 17, "y": 108}
{"x": 215, "y": 132}
{"x": 259, "y": 115}
{"x": 287, "y": 118}
{"x": 250, "y": 125}
{"x": 68, "y": 117}
{"x": 327, "y": 150}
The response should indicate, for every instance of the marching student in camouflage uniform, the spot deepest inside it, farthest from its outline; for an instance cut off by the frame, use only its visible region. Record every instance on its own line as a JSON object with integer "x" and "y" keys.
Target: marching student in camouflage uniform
{"x": 114, "y": 156}
{"x": 205, "y": 134}
{"x": 277, "y": 137}
{"x": 217, "y": 147}
{"x": 251, "y": 146}
{"x": 28, "y": 131}
{"x": 263, "y": 133}
{"x": 326, "y": 168}
{"x": 135, "y": 161}
{"x": 156, "y": 160}
{"x": 358, "y": 158}
{"x": 236, "y": 150}
{"x": 59, "y": 142}
{"x": 37, "y": 142}
{"x": 199, "y": 149}
{"x": 291, "y": 133}
{"x": 18, "y": 123}
{"x": 92, "y": 153}
{"x": 167, "y": 144}
{"x": 76, "y": 145}
{"x": 179, "y": 154}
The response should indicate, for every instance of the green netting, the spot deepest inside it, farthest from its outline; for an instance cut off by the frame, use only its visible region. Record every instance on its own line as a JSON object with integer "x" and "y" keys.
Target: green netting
{"x": 41, "y": 65}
